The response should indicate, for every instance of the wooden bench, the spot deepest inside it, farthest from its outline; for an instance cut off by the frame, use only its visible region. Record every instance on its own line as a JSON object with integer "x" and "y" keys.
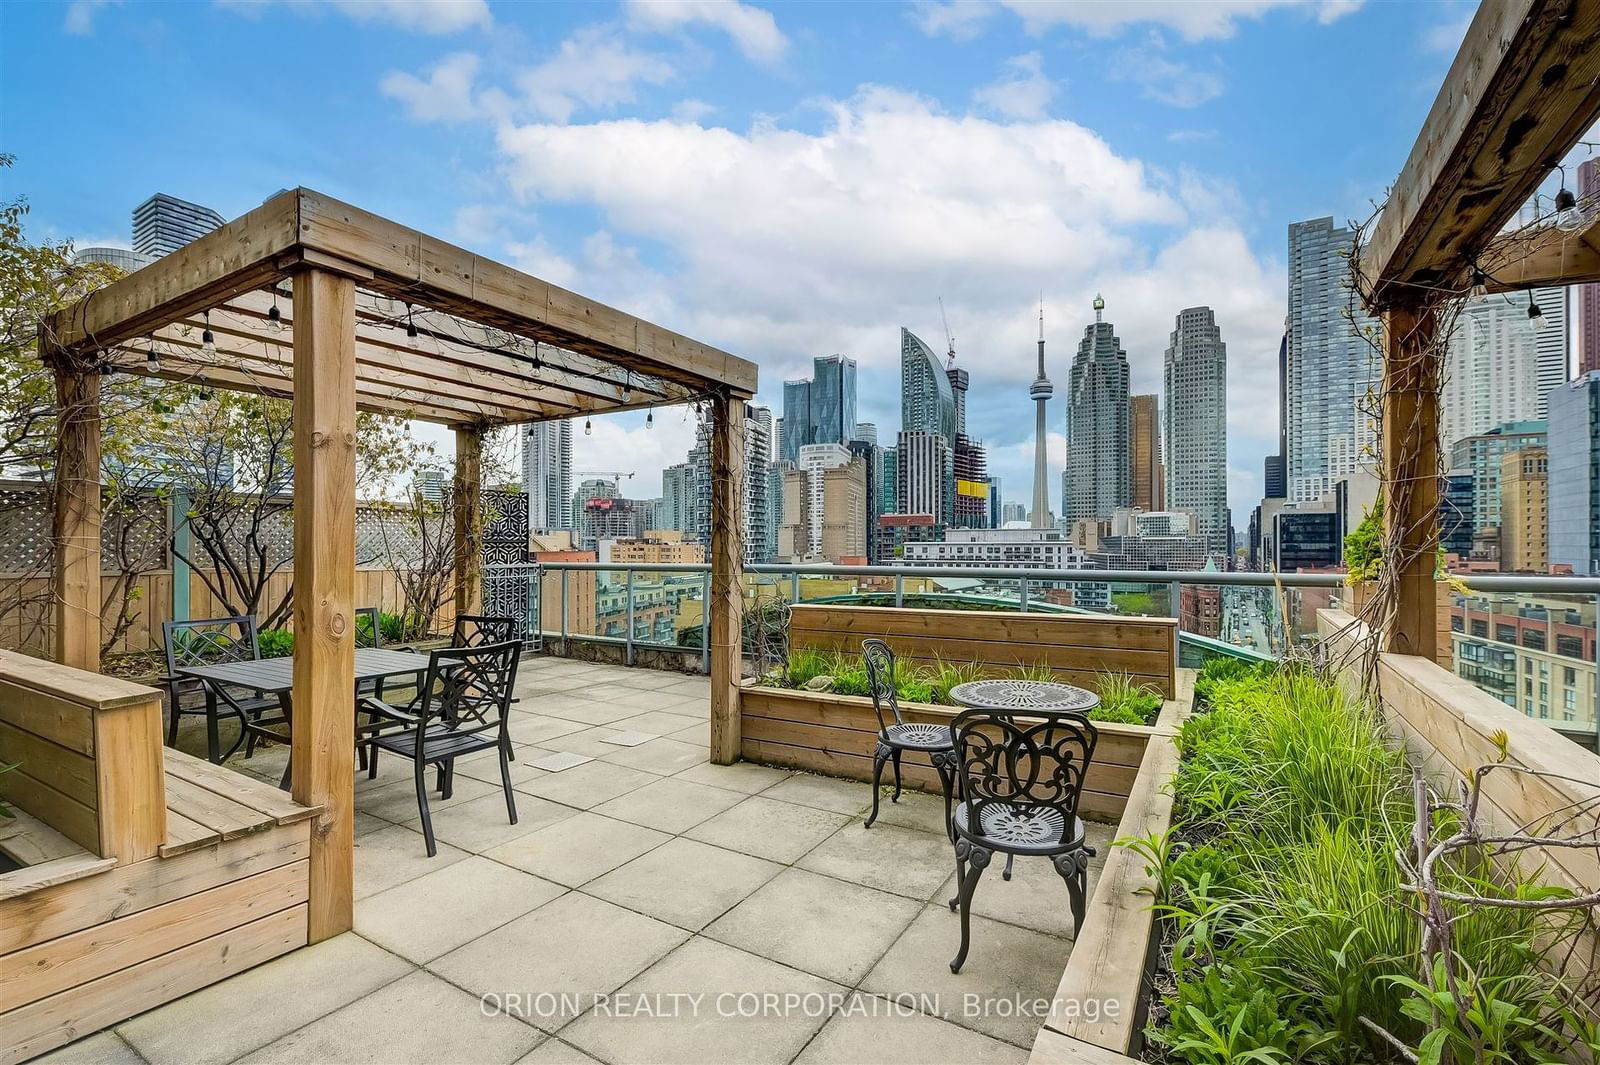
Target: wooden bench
{"x": 151, "y": 873}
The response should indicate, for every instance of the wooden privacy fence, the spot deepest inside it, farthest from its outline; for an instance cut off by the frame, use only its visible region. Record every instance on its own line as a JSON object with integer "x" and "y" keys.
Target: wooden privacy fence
{"x": 1078, "y": 646}
{"x": 27, "y": 613}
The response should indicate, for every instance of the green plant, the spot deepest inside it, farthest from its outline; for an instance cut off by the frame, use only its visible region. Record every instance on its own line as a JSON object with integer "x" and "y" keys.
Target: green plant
{"x": 1293, "y": 931}
{"x": 1363, "y": 546}
{"x": 277, "y": 643}
{"x": 1124, "y": 700}
{"x": 392, "y": 627}
{"x": 946, "y": 675}
{"x": 1036, "y": 671}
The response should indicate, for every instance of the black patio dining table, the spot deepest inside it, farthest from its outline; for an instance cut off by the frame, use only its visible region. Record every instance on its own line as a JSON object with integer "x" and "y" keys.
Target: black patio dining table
{"x": 275, "y": 676}
{"x": 1023, "y": 695}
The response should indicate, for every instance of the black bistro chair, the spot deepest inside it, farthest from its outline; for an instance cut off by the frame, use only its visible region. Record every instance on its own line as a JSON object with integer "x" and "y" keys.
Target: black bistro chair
{"x": 1020, "y": 775}
{"x": 207, "y": 642}
{"x": 475, "y": 630}
{"x": 461, "y": 709}
{"x": 896, "y": 735}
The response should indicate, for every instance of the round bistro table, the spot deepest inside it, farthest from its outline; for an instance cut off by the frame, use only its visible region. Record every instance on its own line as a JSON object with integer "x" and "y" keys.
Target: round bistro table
{"x": 1023, "y": 695}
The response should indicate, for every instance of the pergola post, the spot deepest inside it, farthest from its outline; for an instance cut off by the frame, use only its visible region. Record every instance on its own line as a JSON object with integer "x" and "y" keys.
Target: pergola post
{"x": 469, "y": 519}
{"x": 323, "y": 732}
{"x": 726, "y": 608}
{"x": 77, "y": 517}
{"x": 1411, "y": 478}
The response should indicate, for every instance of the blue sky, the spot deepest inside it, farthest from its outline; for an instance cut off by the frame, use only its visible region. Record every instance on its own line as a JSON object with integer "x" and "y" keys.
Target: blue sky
{"x": 782, "y": 180}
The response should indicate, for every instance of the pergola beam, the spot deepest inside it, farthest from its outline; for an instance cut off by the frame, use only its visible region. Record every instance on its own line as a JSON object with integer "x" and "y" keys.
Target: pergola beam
{"x": 304, "y": 229}
{"x": 1536, "y": 258}
{"x": 1523, "y": 89}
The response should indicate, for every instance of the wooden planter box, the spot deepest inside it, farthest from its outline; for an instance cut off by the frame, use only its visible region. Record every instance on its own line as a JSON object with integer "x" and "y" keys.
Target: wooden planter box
{"x": 836, "y": 734}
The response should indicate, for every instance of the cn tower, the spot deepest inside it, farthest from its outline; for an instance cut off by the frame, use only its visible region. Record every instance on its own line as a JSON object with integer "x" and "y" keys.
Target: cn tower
{"x": 1040, "y": 392}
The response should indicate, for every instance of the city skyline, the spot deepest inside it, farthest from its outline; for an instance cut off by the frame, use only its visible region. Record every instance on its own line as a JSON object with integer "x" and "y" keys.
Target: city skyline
{"x": 1172, "y": 189}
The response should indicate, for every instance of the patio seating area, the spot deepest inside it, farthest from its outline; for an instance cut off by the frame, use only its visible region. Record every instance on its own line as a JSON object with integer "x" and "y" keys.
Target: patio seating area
{"x": 661, "y": 908}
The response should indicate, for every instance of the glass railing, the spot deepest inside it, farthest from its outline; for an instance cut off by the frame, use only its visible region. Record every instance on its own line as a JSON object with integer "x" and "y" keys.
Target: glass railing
{"x": 1528, "y": 641}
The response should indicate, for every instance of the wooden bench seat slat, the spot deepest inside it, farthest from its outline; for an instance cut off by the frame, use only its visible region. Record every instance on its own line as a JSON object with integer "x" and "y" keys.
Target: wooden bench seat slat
{"x": 238, "y": 787}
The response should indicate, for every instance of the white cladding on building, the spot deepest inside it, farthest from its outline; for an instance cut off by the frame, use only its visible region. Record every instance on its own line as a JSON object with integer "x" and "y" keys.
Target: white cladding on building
{"x": 1329, "y": 364}
{"x": 1012, "y": 549}
{"x": 1499, "y": 367}
{"x": 814, "y": 461}
{"x": 547, "y": 473}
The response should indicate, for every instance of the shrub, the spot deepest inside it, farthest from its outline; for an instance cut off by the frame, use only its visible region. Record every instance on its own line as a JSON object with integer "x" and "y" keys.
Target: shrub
{"x": 1125, "y": 701}
{"x": 275, "y": 643}
{"x": 1294, "y": 933}
{"x": 392, "y": 627}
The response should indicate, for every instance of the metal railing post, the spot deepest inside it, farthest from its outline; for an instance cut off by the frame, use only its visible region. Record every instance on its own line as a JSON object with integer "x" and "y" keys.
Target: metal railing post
{"x": 1174, "y": 597}
{"x": 1022, "y": 594}
{"x": 628, "y": 584}
{"x": 705, "y": 622}
{"x": 794, "y": 588}
{"x": 566, "y": 645}
{"x": 899, "y": 589}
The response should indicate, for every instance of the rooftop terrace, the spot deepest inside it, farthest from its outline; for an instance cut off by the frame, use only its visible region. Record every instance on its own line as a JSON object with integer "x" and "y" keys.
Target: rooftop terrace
{"x": 640, "y": 874}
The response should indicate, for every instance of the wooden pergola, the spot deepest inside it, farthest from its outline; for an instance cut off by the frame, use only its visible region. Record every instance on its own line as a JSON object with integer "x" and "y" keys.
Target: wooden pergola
{"x": 1523, "y": 91}
{"x": 340, "y": 310}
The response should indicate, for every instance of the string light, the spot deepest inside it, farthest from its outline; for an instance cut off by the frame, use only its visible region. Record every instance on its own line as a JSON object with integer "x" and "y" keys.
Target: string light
{"x": 152, "y": 364}
{"x": 208, "y": 343}
{"x": 1535, "y": 315}
{"x": 411, "y": 323}
{"x": 1480, "y": 283}
{"x": 588, "y": 427}
{"x": 650, "y": 418}
{"x": 275, "y": 316}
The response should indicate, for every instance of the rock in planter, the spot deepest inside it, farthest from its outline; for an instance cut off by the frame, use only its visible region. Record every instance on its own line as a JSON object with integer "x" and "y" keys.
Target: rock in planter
{"x": 819, "y": 684}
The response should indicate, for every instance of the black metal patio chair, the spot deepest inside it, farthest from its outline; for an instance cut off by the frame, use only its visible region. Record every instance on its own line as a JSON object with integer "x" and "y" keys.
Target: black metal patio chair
{"x": 475, "y": 630}
{"x": 1019, "y": 775}
{"x": 896, "y": 735}
{"x": 206, "y": 642}
{"x": 462, "y": 709}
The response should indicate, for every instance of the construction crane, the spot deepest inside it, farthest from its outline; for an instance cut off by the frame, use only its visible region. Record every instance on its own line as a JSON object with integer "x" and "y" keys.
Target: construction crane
{"x": 616, "y": 475}
{"x": 950, "y": 341}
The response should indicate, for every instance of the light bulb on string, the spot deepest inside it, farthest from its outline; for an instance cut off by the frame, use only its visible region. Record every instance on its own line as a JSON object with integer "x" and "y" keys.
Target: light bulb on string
{"x": 588, "y": 427}
{"x": 650, "y": 418}
{"x": 1480, "y": 284}
{"x": 208, "y": 343}
{"x": 411, "y": 323}
{"x": 152, "y": 363}
{"x": 1569, "y": 216}
{"x": 1536, "y": 317}
{"x": 274, "y": 316}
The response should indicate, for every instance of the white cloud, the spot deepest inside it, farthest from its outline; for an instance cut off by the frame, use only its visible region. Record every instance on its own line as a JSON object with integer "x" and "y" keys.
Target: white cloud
{"x": 779, "y": 244}
{"x": 81, "y": 15}
{"x": 1192, "y": 136}
{"x": 446, "y": 95}
{"x": 593, "y": 69}
{"x": 1022, "y": 90}
{"x": 959, "y": 20}
{"x": 693, "y": 111}
{"x": 422, "y": 16}
{"x": 621, "y": 442}
{"x": 1446, "y": 37}
{"x": 1164, "y": 79}
{"x": 1194, "y": 20}
{"x": 753, "y": 30}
